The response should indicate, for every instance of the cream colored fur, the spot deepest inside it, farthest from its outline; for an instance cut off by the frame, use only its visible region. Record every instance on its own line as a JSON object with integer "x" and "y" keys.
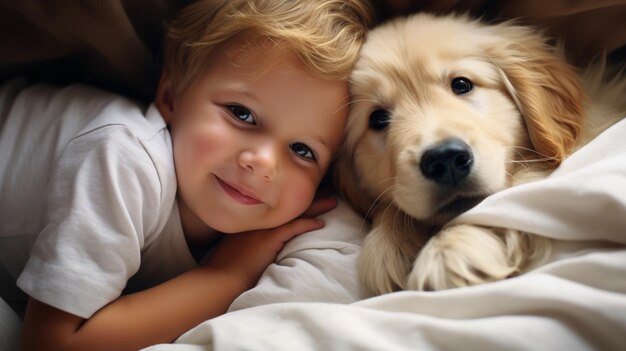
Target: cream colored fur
{"x": 523, "y": 116}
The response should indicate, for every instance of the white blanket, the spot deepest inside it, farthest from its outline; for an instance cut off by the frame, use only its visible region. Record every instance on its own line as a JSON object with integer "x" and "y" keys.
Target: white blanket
{"x": 310, "y": 299}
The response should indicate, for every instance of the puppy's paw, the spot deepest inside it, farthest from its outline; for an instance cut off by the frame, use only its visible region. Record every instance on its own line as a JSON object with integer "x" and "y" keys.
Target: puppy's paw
{"x": 465, "y": 255}
{"x": 382, "y": 266}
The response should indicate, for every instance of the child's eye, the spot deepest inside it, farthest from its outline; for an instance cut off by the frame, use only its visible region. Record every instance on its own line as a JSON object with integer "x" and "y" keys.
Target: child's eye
{"x": 303, "y": 151}
{"x": 242, "y": 114}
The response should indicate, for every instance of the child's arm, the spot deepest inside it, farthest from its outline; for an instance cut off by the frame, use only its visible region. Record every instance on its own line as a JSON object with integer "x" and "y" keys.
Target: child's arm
{"x": 162, "y": 313}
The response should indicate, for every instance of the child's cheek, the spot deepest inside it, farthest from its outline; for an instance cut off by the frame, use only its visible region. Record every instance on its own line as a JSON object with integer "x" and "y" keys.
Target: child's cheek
{"x": 301, "y": 193}
{"x": 208, "y": 143}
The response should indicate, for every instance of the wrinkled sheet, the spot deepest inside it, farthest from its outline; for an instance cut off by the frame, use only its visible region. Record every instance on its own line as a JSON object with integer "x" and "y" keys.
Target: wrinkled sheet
{"x": 310, "y": 298}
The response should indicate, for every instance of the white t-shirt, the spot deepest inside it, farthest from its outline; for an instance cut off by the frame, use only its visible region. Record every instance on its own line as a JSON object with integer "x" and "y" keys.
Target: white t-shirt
{"x": 87, "y": 205}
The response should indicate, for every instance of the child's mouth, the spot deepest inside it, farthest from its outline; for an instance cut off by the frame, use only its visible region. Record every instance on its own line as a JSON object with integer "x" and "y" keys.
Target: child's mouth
{"x": 237, "y": 194}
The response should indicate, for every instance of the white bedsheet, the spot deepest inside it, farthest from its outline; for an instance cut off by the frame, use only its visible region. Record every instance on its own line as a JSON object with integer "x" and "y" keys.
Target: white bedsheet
{"x": 310, "y": 299}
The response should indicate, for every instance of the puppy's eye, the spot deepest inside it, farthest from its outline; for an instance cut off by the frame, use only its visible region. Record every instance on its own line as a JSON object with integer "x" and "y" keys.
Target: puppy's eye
{"x": 461, "y": 85}
{"x": 379, "y": 119}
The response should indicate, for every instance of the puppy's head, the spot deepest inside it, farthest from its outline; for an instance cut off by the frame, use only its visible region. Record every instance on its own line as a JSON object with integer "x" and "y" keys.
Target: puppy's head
{"x": 446, "y": 109}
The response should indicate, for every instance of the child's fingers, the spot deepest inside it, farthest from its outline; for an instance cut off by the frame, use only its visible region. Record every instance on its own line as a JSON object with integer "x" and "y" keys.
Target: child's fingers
{"x": 297, "y": 227}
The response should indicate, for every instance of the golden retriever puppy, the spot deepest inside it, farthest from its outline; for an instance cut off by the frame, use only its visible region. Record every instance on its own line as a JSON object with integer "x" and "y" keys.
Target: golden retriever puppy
{"x": 446, "y": 111}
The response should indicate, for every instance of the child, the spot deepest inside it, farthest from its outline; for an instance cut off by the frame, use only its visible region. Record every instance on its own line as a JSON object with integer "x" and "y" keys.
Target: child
{"x": 111, "y": 211}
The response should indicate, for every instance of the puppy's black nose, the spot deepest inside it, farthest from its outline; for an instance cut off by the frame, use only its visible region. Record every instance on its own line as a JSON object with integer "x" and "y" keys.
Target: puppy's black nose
{"x": 447, "y": 163}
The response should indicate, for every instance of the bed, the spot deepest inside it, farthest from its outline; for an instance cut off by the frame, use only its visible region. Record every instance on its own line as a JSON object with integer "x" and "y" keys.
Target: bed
{"x": 310, "y": 298}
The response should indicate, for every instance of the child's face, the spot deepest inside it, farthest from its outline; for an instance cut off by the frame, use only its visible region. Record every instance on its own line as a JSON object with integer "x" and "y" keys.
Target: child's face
{"x": 252, "y": 137}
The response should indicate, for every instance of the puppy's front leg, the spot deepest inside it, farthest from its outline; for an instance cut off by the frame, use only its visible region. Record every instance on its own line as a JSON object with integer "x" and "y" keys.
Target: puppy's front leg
{"x": 463, "y": 255}
{"x": 388, "y": 252}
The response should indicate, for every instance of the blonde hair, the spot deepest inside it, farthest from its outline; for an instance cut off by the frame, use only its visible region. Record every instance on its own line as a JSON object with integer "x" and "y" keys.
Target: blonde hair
{"x": 325, "y": 34}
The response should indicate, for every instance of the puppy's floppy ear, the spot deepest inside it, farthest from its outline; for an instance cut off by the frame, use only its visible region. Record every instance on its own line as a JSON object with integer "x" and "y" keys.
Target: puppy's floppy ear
{"x": 546, "y": 89}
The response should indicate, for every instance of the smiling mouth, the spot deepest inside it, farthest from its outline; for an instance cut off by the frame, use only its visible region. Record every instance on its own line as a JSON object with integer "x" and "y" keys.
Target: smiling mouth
{"x": 237, "y": 194}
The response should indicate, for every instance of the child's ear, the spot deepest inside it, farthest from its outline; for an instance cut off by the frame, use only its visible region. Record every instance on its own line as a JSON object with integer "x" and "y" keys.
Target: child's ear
{"x": 165, "y": 98}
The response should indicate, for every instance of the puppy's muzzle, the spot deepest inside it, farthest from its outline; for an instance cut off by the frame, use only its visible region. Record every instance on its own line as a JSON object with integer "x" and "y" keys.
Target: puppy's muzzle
{"x": 447, "y": 163}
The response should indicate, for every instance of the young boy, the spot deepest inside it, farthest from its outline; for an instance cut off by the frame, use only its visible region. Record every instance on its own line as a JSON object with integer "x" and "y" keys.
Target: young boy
{"x": 107, "y": 207}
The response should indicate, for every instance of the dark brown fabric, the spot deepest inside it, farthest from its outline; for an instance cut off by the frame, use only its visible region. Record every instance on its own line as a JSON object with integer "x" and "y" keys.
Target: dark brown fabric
{"x": 116, "y": 44}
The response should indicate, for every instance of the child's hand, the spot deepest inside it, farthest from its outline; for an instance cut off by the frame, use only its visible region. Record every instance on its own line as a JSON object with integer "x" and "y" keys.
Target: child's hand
{"x": 248, "y": 254}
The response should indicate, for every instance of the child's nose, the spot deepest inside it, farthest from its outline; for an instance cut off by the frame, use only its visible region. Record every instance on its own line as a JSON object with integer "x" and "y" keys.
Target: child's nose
{"x": 262, "y": 160}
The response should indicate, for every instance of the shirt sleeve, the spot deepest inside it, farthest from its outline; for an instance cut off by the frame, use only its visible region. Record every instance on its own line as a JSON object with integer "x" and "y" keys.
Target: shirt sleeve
{"x": 103, "y": 198}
